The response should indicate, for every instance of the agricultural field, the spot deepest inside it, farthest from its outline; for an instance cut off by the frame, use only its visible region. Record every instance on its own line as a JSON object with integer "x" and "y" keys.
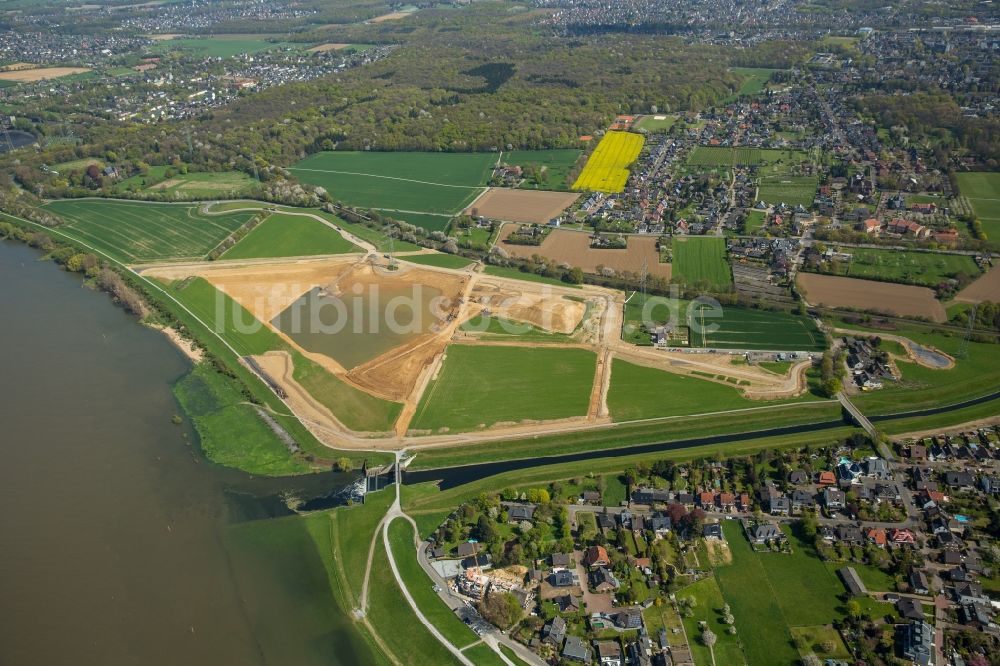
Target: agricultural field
{"x": 790, "y": 190}
{"x": 487, "y": 385}
{"x": 924, "y": 269}
{"x": 573, "y": 248}
{"x": 554, "y": 165}
{"x": 283, "y": 235}
{"x": 439, "y": 260}
{"x": 400, "y": 183}
{"x": 40, "y": 74}
{"x": 700, "y": 262}
{"x": 743, "y": 328}
{"x": 134, "y": 232}
{"x": 532, "y": 207}
{"x": 193, "y": 185}
{"x": 638, "y": 392}
{"x": 607, "y": 167}
{"x": 983, "y": 192}
{"x": 718, "y": 156}
{"x": 844, "y": 292}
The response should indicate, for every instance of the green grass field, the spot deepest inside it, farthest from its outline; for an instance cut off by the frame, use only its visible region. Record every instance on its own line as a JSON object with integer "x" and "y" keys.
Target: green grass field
{"x": 239, "y": 328}
{"x": 754, "y": 79}
{"x": 438, "y": 260}
{"x": 788, "y": 590}
{"x": 638, "y": 392}
{"x": 755, "y": 222}
{"x": 743, "y": 328}
{"x": 414, "y": 182}
{"x": 401, "y": 539}
{"x": 556, "y": 163}
{"x": 790, "y": 190}
{"x": 700, "y": 262}
{"x": 231, "y": 432}
{"x": 708, "y": 608}
{"x": 283, "y": 235}
{"x": 350, "y": 531}
{"x": 920, "y": 268}
{"x": 135, "y": 232}
{"x": 396, "y": 624}
{"x": 356, "y": 409}
{"x": 193, "y": 185}
{"x": 653, "y": 124}
{"x": 983, "y": 192}
{"x": 488, "y": 385}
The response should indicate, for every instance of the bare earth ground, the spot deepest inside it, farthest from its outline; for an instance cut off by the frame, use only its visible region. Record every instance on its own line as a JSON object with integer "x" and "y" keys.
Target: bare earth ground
{"x": 528, "y": 206}
{"x": 323, "y": 48}
{"x": 985, "y": 288}
{"x": 163, "y": 37}
{"x": 537, "y": 304}
{"x": 573, "y": 248}
{"x": 267, "y": 287}
{"x": 167, "y": 183}
{"x": 843, "y": 292}
{"x": 41, "y": 74}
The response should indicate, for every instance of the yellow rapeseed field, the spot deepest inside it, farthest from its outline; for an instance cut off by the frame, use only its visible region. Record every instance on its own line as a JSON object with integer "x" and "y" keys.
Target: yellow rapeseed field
{"x": 606, "y": 169}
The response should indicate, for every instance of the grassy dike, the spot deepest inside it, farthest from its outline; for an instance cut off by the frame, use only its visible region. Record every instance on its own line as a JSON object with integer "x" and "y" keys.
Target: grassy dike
{"x": 628, "y": 434}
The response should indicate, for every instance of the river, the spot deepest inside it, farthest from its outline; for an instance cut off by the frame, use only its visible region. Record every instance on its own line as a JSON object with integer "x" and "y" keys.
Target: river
{"x": 119, "y": 542}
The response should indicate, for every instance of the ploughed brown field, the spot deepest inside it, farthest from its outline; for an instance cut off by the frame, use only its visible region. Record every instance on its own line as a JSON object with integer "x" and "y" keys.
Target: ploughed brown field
{"x": 985, "y": 288}
{"x": 898, "y": 299}
{"x": 522, "y": 205}
{"x": 41, "y": 74}
{"x": 573, "y": 248}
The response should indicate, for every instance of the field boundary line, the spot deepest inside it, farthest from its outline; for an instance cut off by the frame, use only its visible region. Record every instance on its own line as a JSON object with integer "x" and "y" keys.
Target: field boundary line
{"x": 375, "y": 175}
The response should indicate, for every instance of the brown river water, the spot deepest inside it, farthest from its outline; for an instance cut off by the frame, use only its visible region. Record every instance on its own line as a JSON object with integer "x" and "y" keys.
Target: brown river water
{"x": 119, "y": 542}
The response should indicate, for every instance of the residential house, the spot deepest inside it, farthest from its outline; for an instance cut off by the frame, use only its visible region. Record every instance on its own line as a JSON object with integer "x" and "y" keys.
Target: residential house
{"x": 576, "y": 649}
{"x": 918, "y": 643}
{"x": 960, "y": 480}
{"x": 779, "y": 506}
{"x": 596, "y": 556}
{"x": 519, "y": 513}
{"x": 603, "y": 580}
{"x": 802, "y": 499}
{"x": 660, "y": 524}
{"x": 834, "y": 498}
{"x": 798, "y": 477}
{"x": 561, "y": 560}
{"x": 918, "y": 582}
{"x": 467, "y": 549}
{"x": 566, "y": 603}
{"x": 554, "y": 632}
{"x": 609, "y": 653}
{"x": 910, "y": 608}
{"x": 629, "y": 618}
{"x": 826, "y": 478}
{"x": 850, "y": 535}
{"x": 563, "y": 578}
{"x": 765, "y": 533}
{"x": 651, "y": 496}
{"x": 713, "y": 532}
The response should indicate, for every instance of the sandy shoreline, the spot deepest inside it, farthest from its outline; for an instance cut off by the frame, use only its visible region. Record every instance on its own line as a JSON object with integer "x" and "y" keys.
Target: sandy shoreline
{"x": 194, "y": 354}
